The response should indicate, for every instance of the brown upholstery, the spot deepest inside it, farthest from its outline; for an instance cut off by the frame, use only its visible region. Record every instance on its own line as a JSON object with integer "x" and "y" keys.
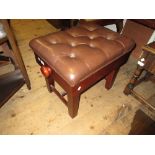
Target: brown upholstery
{"x": 78, "y": 52}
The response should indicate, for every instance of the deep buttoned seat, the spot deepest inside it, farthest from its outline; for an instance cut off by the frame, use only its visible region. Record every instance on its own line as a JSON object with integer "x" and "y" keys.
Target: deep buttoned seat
{"x": 77, "y": 55}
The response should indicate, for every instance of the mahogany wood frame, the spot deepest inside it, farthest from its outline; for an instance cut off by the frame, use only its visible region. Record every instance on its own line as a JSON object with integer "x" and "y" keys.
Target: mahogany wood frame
{"x": 108, "y": 72}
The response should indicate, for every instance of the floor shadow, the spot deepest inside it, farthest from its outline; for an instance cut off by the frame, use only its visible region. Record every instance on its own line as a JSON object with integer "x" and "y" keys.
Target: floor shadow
{"x": 142, "y": 124}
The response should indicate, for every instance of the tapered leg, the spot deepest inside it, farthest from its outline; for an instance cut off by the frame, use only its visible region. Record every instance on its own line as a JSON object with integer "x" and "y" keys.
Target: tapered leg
{"x": 110, "y": 78}
{"x": 73, "y": 103}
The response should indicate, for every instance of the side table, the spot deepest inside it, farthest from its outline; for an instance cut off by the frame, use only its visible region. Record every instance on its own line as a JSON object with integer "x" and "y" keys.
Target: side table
{"x": 147, "y": 64}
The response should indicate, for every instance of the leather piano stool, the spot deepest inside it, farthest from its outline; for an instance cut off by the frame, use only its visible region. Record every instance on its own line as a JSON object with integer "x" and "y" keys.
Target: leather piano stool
{"x": 79, "y": 57}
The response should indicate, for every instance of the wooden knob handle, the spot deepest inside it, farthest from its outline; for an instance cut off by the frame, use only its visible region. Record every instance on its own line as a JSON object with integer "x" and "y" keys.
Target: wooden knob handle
{"x": 46, "y": 71}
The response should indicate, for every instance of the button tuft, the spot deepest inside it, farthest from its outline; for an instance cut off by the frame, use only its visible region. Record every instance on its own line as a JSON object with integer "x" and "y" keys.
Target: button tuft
{"x": 72, "y": 55}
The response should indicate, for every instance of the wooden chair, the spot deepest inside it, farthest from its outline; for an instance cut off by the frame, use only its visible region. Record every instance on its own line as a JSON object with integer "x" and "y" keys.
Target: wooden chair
{"x": 11, "y": 82}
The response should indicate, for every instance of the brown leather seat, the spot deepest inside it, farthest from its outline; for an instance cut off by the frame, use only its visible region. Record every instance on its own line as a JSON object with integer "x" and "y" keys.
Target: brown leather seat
{"x": 76, "y": 53}
{"x": 79, "y": 57}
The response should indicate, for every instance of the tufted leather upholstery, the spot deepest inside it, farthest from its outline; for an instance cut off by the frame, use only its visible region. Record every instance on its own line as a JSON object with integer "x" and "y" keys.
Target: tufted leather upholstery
{"x": 78, "y": 52}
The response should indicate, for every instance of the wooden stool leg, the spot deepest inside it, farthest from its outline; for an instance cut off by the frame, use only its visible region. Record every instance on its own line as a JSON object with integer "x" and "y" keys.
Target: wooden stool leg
{"x": 47, "y": 72}
{"x": 49, "y": 83}
{"x": 130, "y": 86}
{"x": 110, "y": 78}
{"x": 73, "y": 103}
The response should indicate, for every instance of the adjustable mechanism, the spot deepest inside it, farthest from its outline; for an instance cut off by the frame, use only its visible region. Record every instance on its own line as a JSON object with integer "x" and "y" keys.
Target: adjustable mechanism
{"x": 46, "y": 71}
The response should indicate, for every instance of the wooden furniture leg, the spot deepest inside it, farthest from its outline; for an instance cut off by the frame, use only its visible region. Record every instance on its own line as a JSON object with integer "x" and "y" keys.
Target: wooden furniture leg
{"x": 8, "y": 52}
{"x": 110, "y": 78}
{"x": 73, "y": 93}
{"x": 49, "y": 82}
{"x": 16, "y": 51}
{"x": 146, "y": 63}
{"x": 73, "y": 103}
{"x": 130, "y": 86}
{"x": 47, "y": 72}
{"x": 11, "y": 81}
